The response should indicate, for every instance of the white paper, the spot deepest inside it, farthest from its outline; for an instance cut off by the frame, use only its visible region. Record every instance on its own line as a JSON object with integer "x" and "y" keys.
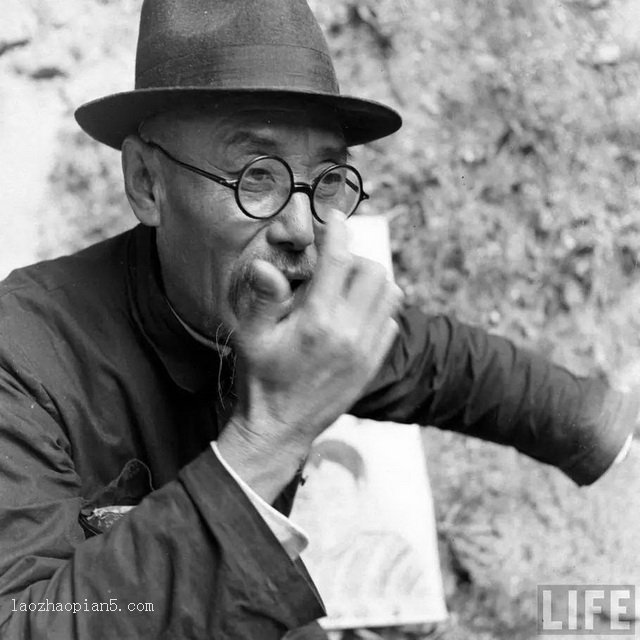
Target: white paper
{"x": 367, "y": 508}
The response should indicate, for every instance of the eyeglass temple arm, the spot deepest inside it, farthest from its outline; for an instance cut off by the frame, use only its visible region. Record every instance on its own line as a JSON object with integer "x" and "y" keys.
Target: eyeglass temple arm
{"x": 223, "y": 181}
{"x": 363, "y": 194}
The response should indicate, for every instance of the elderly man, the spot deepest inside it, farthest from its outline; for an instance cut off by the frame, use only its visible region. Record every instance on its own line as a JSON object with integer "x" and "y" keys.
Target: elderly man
{"x": 159, "y": 391}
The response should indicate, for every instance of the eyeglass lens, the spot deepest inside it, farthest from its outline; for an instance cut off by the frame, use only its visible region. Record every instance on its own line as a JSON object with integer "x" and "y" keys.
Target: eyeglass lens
{"x": 265, "y": 185}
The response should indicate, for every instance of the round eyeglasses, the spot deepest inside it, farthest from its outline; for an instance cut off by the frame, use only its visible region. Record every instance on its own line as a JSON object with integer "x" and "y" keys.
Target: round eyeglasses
{"x": 265, "y": 185}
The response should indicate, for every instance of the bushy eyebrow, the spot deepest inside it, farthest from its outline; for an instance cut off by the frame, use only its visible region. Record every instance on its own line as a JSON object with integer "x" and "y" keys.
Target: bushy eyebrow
{"x": 341, "y": 153}
{"x": 252, "y": 141}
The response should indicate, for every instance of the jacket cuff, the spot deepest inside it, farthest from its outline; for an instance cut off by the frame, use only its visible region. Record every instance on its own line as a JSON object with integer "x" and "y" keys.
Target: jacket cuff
{"x": 292, "y": 538}
{"x": 267, "y": 581}
{"x": 615, "y": 425}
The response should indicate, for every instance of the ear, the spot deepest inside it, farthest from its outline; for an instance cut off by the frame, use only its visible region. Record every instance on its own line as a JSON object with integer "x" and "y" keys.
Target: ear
{"x": 142, "y": 180}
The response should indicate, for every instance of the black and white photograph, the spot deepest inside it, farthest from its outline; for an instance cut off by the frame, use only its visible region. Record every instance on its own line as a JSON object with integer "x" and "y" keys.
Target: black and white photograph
{"x": 319, "y": 320}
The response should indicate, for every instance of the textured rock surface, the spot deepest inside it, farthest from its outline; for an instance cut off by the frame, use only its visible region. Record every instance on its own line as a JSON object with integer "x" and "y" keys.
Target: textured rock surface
{"x": 53, "y": 57}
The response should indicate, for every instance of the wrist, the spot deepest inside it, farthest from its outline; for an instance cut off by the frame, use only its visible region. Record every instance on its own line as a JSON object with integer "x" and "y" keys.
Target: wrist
{"x": 263, "y": 464}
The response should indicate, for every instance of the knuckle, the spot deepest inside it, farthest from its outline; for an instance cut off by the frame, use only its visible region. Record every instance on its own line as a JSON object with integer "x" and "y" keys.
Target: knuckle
{"x": 370, "y": 268}
{"x": 314, "y": 308}
{"x": 322, "y": 322}
{"x": 378, "y": 271}
{"x": 348, "y": 342}
{"x": 393, "y": 296}
{"x": 316, "y": 330}
{"x": 339, "y": 260}
{"x": 397, "y": 293}
{"x": 377, "y": 275}
{"x": 352, "y": 347}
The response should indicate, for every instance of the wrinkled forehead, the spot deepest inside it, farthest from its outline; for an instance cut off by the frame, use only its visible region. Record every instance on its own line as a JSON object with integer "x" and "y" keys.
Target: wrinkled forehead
{"x": 272, "y": 125}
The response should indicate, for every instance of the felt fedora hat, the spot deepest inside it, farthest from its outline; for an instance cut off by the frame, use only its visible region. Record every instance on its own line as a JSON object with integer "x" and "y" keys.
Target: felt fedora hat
{"x": 201, "y": 51}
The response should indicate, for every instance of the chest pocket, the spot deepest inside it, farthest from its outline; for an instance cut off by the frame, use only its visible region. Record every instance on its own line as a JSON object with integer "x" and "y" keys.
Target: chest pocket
{"x": 112, "y": 503}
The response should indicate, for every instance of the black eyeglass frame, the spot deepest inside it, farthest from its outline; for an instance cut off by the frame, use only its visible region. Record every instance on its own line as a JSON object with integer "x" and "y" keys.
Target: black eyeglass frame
{"x": 296, "y": 187}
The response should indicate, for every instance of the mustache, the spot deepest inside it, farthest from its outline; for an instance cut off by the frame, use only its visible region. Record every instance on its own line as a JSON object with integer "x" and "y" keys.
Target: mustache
{"x": 300, "y": 266}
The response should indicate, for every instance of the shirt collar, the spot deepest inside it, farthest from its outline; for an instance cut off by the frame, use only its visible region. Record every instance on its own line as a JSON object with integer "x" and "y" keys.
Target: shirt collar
{"x": 192, "y": 360}
{"x": 222, "y": 349}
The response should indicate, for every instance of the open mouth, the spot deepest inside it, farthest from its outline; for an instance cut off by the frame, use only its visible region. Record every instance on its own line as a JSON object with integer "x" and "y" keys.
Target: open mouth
{"x": 295, "y": 283}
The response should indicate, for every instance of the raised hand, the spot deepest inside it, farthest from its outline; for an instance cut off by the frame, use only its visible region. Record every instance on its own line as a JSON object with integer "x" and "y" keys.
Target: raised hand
{"x": 303, "y": 365}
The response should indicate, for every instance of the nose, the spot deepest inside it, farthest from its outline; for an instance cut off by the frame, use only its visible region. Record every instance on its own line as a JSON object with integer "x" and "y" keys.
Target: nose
{"x": 293, "y": 229}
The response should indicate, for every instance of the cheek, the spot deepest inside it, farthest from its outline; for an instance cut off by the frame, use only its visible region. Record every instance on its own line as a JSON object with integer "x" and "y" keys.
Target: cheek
{"x": 200, "y": 228}
{"x": 195, "y": 249}
{"x": 211, "y": 245}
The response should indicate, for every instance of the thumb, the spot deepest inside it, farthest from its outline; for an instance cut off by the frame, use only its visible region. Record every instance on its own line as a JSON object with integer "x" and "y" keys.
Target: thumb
{"x": 270, "y": 289}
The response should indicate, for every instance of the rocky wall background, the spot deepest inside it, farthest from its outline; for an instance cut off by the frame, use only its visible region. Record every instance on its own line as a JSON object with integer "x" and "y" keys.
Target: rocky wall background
{"x": 512, "y": 192}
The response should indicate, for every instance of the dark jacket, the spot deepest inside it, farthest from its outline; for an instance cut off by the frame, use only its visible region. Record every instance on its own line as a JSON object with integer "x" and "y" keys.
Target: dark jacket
{"x": 105, "y": 399}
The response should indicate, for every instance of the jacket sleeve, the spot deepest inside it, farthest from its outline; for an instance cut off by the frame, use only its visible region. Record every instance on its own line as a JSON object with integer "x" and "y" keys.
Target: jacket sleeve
{"x": 449, "y": 375}
{"x": 193, "y": 559}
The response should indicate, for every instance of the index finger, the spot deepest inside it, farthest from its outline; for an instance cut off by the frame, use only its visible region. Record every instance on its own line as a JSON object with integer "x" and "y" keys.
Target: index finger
{"x": 334, "y": 259}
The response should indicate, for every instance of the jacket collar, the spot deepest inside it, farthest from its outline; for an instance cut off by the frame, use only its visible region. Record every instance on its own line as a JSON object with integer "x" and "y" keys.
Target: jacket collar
{"x": 192, "y": 361}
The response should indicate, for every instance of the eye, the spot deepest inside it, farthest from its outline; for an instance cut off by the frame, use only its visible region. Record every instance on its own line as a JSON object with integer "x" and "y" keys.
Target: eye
{"x": 330, "y": 184}
{"x": 258, "y": 179}
{"x": 258, "y": 174}
{"x": 265, "y": 176}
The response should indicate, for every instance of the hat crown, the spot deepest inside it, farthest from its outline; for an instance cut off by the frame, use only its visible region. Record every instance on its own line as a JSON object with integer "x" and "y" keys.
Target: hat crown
{"x": 199, "y": 51}
{"x": 233, "y": 45}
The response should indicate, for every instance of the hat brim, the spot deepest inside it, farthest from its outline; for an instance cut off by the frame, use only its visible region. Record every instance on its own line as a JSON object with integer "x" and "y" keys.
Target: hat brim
{"x": 112, "y": 118}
